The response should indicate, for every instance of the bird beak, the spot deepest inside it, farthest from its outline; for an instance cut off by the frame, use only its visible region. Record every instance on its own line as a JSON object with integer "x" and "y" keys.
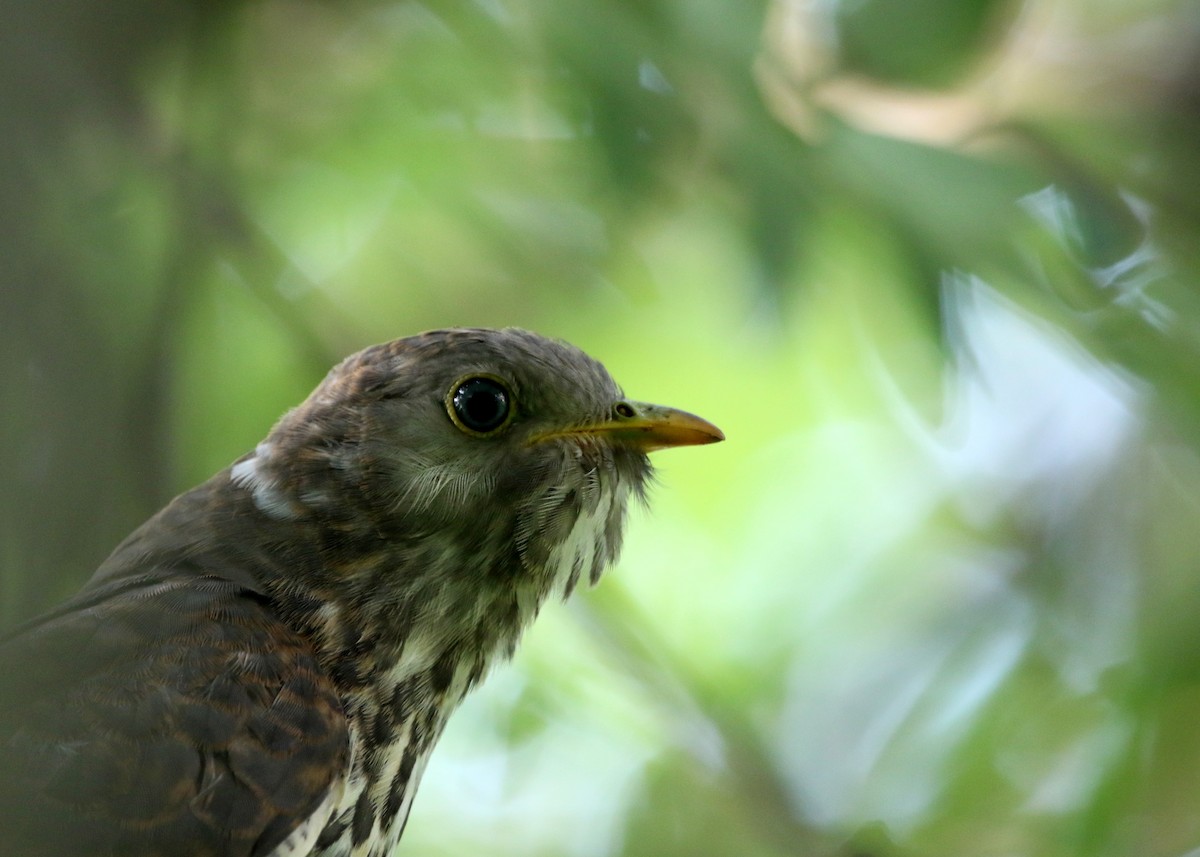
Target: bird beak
{"x": 648, "y": 427}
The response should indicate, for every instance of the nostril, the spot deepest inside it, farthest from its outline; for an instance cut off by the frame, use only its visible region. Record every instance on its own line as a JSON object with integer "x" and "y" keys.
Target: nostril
{"x": 624, "y": 410}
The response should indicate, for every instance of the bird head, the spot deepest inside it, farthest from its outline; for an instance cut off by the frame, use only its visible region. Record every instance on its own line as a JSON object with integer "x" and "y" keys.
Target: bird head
{"x": 475, "y": 454}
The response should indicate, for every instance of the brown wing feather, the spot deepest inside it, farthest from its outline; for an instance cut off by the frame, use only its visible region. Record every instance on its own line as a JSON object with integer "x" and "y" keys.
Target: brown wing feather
{"x": 163, "y": 715}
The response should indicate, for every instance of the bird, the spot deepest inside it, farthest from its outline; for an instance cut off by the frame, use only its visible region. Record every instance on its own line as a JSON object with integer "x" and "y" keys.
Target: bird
{"x": 262, "y": 668}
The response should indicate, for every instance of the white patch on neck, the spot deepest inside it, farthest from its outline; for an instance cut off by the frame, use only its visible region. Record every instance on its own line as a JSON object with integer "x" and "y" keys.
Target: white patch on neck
{"x": 251, "y": 475}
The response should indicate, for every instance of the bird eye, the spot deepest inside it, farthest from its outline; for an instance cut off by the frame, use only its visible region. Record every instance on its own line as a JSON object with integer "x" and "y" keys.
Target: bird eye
{"x": 480, "y": 405}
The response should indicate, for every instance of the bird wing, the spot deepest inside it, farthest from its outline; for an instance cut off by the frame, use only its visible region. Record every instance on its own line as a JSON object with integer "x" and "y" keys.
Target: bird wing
{"x": 165, "y": 714}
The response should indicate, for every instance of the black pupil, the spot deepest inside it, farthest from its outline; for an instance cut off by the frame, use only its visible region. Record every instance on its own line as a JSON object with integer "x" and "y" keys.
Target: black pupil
{"x": 481, "y": 404}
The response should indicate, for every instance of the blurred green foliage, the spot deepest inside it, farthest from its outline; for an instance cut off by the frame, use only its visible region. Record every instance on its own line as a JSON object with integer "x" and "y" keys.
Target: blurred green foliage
{"x": 931, "y": 265}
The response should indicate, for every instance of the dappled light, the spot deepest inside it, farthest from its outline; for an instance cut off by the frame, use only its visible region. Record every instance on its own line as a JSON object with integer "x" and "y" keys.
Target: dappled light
{"x": 932, "y": 268}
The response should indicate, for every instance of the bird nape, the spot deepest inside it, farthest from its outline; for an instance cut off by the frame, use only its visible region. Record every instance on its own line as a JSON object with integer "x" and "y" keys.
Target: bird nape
{"x": 263, "y": 667}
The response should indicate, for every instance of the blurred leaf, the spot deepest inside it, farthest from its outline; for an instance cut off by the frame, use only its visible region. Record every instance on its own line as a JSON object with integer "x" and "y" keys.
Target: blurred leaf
{"x": 936, "y": 593}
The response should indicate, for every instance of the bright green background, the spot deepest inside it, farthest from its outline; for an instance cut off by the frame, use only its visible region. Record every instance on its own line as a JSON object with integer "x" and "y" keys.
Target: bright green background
{"x": 931, "y": 265}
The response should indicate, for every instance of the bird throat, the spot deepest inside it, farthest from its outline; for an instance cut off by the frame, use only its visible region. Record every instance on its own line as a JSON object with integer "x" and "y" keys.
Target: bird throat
{"x": 407, "y": 626}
